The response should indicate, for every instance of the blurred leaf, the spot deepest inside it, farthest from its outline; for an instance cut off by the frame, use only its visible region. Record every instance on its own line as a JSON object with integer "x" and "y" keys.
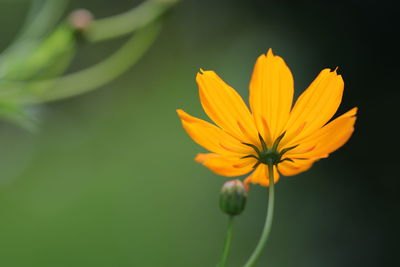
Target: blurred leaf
{"x": 45, "y": 60}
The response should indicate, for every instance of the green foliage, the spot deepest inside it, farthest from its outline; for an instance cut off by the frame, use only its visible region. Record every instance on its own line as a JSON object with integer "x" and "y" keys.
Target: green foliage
{"x": 40, "y": 60}
{"x": 32, "y": 68}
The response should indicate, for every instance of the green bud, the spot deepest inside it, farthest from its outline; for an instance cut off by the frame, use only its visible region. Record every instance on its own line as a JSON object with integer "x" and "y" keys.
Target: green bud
{"x": 233, "y": 197}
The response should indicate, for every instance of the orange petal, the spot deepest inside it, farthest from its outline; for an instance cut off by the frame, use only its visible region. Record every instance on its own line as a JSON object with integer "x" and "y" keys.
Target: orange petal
{"x": 211, "y": 137}
{"x": 327, "y": 139}
{"x": 226, "y": 107}
{"x": 271, "y": 94}
{"x": 261, "y": 176}
{"x": 315, "y": 107}
{"x": 288, "y": 168}
{"x": 226, "y": 166}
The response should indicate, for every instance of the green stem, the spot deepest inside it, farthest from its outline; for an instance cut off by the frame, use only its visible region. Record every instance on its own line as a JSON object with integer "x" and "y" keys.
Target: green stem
{"x": 125, "y": 23}
{"x": 268, "y": 222}
{"x": 91, "y": 78}
{"x": 144, "y": 19}
{"x": 227, "y": 245}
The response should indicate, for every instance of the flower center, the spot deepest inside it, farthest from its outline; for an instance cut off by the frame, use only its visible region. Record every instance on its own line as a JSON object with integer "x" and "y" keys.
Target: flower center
{"x": 266, "y": 155}
{"x": 269, "y": 157}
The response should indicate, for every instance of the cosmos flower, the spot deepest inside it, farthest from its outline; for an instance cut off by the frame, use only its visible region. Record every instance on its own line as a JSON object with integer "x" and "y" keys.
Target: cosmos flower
{"x": 272, "y": 132}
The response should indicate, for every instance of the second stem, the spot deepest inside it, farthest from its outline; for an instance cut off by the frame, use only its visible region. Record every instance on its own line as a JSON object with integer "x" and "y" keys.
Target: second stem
{"x": 227, "y": 244}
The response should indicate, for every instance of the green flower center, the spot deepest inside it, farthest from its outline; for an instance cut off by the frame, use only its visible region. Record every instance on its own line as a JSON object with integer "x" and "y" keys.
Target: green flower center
{"x": 266, "y": 155}
{"x": 269, "y": 157}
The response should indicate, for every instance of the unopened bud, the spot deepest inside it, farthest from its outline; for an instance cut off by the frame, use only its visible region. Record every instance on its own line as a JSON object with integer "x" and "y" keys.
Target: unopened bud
{"x": 233, "y": 197}
{"x": 80, "y": 19}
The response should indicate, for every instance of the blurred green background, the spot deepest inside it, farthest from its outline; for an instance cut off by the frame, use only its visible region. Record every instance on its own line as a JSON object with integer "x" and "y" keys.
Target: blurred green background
{"x": 109, "y": 180}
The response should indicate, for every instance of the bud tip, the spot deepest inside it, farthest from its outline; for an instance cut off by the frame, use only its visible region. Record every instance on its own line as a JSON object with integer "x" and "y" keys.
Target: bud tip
{"x": 80, "y": 19}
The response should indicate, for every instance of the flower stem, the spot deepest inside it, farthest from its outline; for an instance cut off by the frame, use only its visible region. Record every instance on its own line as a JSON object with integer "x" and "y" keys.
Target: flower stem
{"x": 93, "y": 77}
{"x": 268, "y": 222}
{"x": 227, "y": 244}
{"x": 125, "y": 23}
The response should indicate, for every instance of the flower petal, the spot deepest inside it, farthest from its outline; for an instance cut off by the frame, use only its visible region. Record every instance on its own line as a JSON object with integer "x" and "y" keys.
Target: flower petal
{"x": 211, "y": 137}
{"x": 315, "y": 107}
{"x": 261, "y": 176}
{"x": 226, "y": 107}
{"x": 328, "y": 139}
{"x": 271, "y": 94}
{"x": 226, "y": 166}
{"x": 288, "y": 168}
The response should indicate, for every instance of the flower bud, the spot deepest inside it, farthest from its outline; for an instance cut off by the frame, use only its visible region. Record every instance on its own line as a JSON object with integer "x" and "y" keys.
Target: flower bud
{"x": 80, "y": 19}
{"x": 233, "y": 197}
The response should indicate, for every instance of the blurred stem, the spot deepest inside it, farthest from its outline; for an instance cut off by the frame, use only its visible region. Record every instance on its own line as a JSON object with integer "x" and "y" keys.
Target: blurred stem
{"x": 142, "y": 18}
{"x": 115, "y": 26}
{"x": 227, "y": 245}
{"x": 268, "y": 221}
{"x": 101, "y": 73}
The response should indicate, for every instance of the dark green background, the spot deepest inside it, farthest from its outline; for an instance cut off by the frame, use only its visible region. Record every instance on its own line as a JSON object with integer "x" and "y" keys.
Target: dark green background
{"x": 110, "y": 179}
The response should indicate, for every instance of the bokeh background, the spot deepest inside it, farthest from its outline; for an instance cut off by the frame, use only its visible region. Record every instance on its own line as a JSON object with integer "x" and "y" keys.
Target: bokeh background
{"x": 109, "y": 180}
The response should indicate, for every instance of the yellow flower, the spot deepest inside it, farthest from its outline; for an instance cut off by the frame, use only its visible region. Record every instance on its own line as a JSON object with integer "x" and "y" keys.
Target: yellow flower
{"x": 290, "y": 139}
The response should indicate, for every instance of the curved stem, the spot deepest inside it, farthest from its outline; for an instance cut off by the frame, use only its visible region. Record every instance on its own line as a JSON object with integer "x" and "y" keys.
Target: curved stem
{"x": 118, "y": 25}
{"x": 227, "y": 245}
{"x": 268, "y": 222}
{"x": 100, "y": 74}
{"x": 143, "y": 19}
